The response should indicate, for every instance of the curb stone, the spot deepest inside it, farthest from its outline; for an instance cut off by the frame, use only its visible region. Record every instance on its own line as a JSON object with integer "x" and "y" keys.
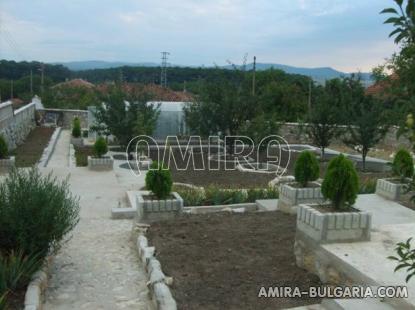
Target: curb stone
{"x": 160, "y": 293}
{"x": 36, "y": 287}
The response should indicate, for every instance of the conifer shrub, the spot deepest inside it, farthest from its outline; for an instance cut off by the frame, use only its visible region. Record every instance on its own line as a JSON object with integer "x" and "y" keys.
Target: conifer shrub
{"x": 306, "y": 168}
{"x": 4, "y": 150}
{"x": 341, "y": 183}
{"x": 76, "y": 128}
{"x": 403, "y": 165}
{"x": 100, "y": 147}
{"x": 159, "y": 180}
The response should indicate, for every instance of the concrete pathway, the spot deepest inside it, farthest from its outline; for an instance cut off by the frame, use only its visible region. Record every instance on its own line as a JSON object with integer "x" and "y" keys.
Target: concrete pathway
{"x": 98, "y": 267}
{"x": 60, "y": 156}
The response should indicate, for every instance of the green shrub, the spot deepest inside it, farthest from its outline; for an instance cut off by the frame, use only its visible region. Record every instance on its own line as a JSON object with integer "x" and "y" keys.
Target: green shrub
{"x": 4, "y": 151}
{"x": 159, "y": 180}
{"x": 217, "y": 196}
{"x": 341, "y": 183}
{"x": 191, "y": 196}
{"x": 36, "y": 212}
{"x": 100, "y": 147}
{"x": 306, "y": 168}
{"x": 403, "y": 165}
{"x": 367, "y": 186}
{"x": 76, "y": 128}
{"x": 255, "y": 194}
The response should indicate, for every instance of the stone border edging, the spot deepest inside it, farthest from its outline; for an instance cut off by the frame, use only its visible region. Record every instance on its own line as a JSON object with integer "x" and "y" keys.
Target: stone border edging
{"x": 48, "y": 151}
{"x": 236, "y": 208}
{"x": 36, "y": 287}
{"x": 158, "y": 283}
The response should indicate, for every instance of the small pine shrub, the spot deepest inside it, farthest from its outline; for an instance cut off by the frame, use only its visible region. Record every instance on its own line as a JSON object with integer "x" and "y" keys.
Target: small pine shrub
{"x": 100, "y": 147}
{"x": 76, "y": 128}
{"x": 306, "y": 168}
{"x": 4, "y": 150}
{"x": 341, "y": 183}
{"x": 403, "y": 165}
{"x": 159, "y": 180}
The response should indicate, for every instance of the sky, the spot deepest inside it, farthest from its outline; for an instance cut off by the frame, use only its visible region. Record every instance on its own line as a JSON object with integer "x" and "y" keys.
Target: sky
{"x": 348, "y": 35}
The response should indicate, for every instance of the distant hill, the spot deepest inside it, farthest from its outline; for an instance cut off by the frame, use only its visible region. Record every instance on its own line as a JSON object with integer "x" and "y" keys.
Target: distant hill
{"x": 98, "y": 64}
{"x": 318, "y": 74}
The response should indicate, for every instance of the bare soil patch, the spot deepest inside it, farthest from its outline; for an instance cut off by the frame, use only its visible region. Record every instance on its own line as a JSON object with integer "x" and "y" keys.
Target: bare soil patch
{"x": 81, "y": 155}
{"x": 29, "y": 153}
{"x": 220, "y": 261}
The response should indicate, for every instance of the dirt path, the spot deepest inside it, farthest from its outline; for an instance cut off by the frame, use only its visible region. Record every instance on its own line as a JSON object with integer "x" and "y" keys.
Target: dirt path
{"x": 98, "y": 267}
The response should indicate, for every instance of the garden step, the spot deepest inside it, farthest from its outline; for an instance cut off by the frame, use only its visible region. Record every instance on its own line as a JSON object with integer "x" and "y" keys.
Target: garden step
{"x": 355, "y": 304}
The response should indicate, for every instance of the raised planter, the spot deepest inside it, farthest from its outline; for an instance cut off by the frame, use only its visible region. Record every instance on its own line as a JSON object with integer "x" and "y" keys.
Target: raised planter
{"x": 154, "y": 210}
{"x": 7, "y": 164}
{"x": 101, "y": 164}
{"x": 333, "y": 227}
{"x": 291, "y": 197}
{"x": 389, "y": 189}
{"x": 77, "y": 141}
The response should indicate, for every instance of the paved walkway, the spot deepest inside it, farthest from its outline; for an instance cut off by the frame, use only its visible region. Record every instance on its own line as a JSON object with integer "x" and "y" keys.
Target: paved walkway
{"x": 60, "y": 156}
{"x": 98, "y": 267}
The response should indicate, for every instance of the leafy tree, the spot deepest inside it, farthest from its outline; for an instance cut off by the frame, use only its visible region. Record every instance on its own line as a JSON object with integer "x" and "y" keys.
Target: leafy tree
{"x": 323, "y": 123}
{"x": 341, "y": 183}
{"x": 403, "y": 21}
{"x": 306, "y": 168}
{"x": 125, "y": 116}
{"x": 367, "y": 126}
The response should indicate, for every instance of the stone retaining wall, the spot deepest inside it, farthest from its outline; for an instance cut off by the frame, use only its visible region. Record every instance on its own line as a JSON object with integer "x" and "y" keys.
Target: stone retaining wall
{"x": 65, "y": 117}
{"x": 16, "y": 125}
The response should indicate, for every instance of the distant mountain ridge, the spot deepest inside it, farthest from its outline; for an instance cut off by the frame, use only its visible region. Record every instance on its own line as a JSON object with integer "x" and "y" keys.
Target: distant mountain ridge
{"x": 319, "y": 74}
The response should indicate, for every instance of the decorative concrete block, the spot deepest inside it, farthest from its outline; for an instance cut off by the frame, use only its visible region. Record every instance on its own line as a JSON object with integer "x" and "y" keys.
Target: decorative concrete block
{"x": 77, "y": 141}
{"x": 291, "y": 197}
{"x": 7, "y": 164}
{"x": 333, "y": 227}
{"x": 153, "y": 210}
{"x": 390, "y": 190}
{"x": 100, "y": 164}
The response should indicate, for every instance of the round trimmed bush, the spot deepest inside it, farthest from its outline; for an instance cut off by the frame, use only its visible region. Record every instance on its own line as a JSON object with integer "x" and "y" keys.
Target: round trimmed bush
{"x": 4, "y": 150}
{"x": 403, "y": 165}
{"x": 76, "y": 128}
{"x": 341, "y": 183}
{"x": 306, "y": 168}
{"x": 159, "y": 180}
{"x": 100, "y": 147}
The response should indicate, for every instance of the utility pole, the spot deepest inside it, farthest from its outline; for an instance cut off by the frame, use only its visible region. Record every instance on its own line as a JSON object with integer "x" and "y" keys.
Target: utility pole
{"x": 42, "y": 78}
{"x": 163, "y": 77}
{"x": 253, "y": 77}
{"x": 31, "y": 83}
{"x": 309, "y": 96}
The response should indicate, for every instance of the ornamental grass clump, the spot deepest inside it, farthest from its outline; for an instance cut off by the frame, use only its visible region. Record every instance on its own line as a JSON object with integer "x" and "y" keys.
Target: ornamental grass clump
{"x": 306, "y": 168}
{"x": 76, "y": 128}
{"x": 100, "y": 147}
{"x": 341, "y": 183}
{"x": 403, "y": 165}
{"x": 4, "y": 150}
{"x": 159, "y": 180}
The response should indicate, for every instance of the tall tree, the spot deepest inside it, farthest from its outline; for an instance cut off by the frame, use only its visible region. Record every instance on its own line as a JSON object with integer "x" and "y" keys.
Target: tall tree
{"x": 367, "y": 127}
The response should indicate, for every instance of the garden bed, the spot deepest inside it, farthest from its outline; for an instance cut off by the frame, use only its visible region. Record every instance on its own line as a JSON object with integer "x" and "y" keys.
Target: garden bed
{"x": 81, "y": 155}
{"x": 220, "y": 261}
{"x": 30, "y": 152}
